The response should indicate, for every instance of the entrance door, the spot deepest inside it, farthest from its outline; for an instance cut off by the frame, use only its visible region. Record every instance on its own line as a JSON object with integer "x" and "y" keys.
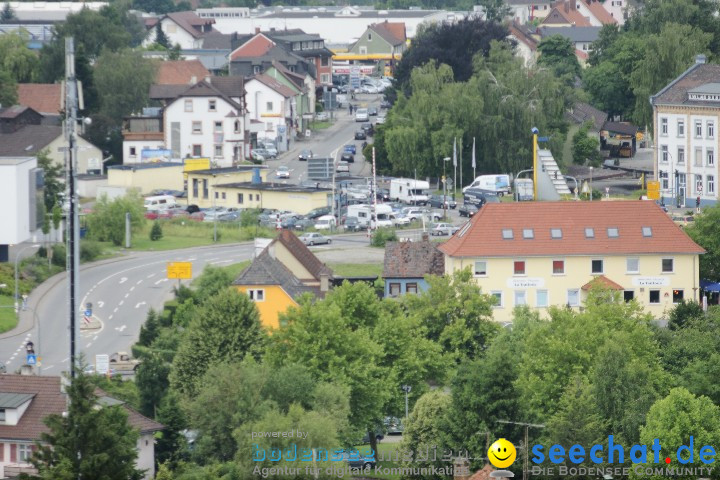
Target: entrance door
{"x": 682, "y": 185}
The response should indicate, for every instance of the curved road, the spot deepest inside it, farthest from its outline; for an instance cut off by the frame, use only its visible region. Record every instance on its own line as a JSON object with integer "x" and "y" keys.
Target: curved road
{"x": 121, "y": 291}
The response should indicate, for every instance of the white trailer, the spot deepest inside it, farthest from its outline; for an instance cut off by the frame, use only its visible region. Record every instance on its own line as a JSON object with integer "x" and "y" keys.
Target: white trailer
{"x": 409, "y": 191}
{"x": 364, "y": 214}
{"x": 497, "y": 184}
{"x": 524, "y": 190}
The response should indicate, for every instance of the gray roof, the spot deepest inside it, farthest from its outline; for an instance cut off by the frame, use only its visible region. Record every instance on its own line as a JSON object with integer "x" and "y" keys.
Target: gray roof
{"x": 28, "y": 140}
{"x": 676, "y": 92}
{"x": 223, "y": 170}
{"x": 584, "y": 112}
{"x": 14, "y": 400}
{"x": 272, "y": 186}
{"x": 574, "y": 34}
{"x": 412, "y": 260}
{"x": 145, "y": 166}
{"x": 266, "y": 270}
{"x": 217, "y": 40}
{"x": 707, "y": 88}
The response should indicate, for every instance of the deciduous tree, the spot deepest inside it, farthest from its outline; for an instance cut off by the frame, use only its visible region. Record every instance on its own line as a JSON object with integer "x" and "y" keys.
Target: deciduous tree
{"x": 558, "y": 53}
{"x": 107, "y": 222}
{"x": 706, "y": 233}
{"x": 16, "y": 58}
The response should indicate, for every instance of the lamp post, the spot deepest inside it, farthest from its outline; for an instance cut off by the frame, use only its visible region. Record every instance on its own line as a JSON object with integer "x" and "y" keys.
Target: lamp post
{"x": 591, "y": 179}
{"x": 535, "y": 132}
{"x": 406, "y": 389}
{"x": 214, "y": 198}
{"x": 17, "y": 261}
{"x": 445, "y": 160}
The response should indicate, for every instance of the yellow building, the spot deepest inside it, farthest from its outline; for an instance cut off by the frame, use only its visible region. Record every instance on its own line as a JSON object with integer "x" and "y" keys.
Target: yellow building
{"x": 146, "y": 177}
{"x": 282, "y": 272}
{"x": 201, "y": 183}
{"x": 548, "y": 253}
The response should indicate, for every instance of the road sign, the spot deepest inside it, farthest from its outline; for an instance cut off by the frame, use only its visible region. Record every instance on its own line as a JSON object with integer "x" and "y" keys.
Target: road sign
{"x": 31, "y": 359}
{"x": 653, "y": 189}
{"x": 543, "y": 139}
{"x": 88, "y": 313}
{"x": 320, "y": 168}
{"x": 179, "y": 270}
{"x": 102, "y": 364}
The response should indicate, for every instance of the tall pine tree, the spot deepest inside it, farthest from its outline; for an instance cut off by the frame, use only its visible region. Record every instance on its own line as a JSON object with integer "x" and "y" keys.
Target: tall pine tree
{"x": 160, "y": 37}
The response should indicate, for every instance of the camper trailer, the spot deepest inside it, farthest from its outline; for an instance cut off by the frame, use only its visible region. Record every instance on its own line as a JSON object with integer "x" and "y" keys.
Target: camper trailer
{"x": 497, "y": 184}
{"x": 409, "y": 191}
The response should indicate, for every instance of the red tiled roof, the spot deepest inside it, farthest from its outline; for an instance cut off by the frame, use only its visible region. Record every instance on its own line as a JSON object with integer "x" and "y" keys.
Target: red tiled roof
{"x": 180, "y": 72}
{"x": 565, "y": 12}
{"x": 580, "y": 54}
{"x": 483, "y": 474}
{"x": 484, "y": 238}
{"x": 303, "y": 254}
{"x": 603, "y": 282}
{"x": 44, "y": 98}
{"x": 48, "y": 399}
{"x": 522, "y": 35}
{"x": 135, "y": 419}
{"x": 392, "y": 32}
{"x": 280, "y": 88}
{"x": 257, "y": 46}
{"x": 599, "y": 11}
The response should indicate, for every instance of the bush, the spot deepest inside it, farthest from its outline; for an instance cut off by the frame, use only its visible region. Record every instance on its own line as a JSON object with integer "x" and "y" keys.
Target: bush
{"x": 59, "y": 254}
{"x": 381, "y": 236}
{"x": 156, "y": 232}
{"x": 249, "y": 217}
{"x": 107, "y": 222}
{"x": 89, "y": 250}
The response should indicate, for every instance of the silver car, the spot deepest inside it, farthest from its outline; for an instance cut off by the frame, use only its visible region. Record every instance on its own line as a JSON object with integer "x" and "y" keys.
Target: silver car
{"x": 443, "y": 229}
{"x": 312, "y": 238}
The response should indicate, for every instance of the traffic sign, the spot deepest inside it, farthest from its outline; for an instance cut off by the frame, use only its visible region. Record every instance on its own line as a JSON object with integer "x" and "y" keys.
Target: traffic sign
{"x": 179, "y": 270}
{"x": 543, "y": 139}
{"x": 88, "y": 313}
{"x": 653, "y": 189}
{"x": 320, "y": 168}
{"x": 102, "y": 364}
{"x": 31, "y": 359}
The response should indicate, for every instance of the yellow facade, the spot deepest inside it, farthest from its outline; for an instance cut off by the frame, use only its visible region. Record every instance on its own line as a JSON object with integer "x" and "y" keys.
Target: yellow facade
{"x": 146, "y": 179}
{"x": 252, "y": 197}
{"x": 641, "y": 274}
{"x": 201, "y": 185}
{"x": 274, "y": 302}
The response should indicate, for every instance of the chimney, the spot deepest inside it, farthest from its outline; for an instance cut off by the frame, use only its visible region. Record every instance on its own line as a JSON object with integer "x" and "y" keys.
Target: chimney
{"x": 324, "y": 282}
{"x": 461, "y": 469}
{"x": 700, "y": 59}
{"x": 257, "y": 30}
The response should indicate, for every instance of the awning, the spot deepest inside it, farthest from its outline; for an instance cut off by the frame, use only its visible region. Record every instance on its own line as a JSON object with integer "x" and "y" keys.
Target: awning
{"x": 709, "y": 286}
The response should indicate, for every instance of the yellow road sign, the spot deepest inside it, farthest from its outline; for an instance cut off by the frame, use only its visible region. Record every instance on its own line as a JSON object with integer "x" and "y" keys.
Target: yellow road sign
{"x": 181, "y": 270}
{"x": 653, "y": 190}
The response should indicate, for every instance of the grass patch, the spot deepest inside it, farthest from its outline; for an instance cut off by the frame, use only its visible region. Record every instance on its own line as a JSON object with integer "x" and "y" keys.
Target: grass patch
{"x": 356, "y": 269}
{"x": 234, "y": 270}
{"x": 320, "y": 125}
{"x": 8, "y": 319}
{"x": 385, "y": 449}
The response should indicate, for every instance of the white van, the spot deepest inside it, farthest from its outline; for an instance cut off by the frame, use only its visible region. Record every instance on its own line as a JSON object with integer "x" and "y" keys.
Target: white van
{"x": 361, "y": 115}
{"x": 326, "y": 222}
{"x": 159, "y": 202}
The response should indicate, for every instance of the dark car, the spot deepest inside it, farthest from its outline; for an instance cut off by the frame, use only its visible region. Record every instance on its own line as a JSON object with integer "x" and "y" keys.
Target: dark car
{"x": 350, "y": 148}
{"x": 192, "y": 209}
{"x": 353, "y": 224}
{"x": 347, "y": 157}
{"x": 367, "y": 128}
{"x": 372, "y": 111}
{"x": 385, "y": 104}
{"x": 436, "y": 201}
{"x": 360, "y": 135}
{"x": 468, "y": 210}
{"x": 318, "y": 212}
{"x": 383, "y": 194}
{"x": 304, "y": 155}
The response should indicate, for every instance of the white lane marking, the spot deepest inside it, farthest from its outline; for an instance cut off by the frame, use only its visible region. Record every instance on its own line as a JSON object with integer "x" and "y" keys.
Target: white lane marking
{"x": 88, "y": 345}
{"x": 100, "y": 303}
{"x": 151, "y": 275}
{"x": 48, "y": 367}
{"x": 211, "y": 259}
{"x": 123, "y": 280}
{"x": 132, "y": 288}
{"x": 116, "y": 309}
{"x": 221, "y": 261}
{"x": 121, "y": 302}
{"x": 65, "y": 360}
{"x": 127, "y": 295}
{"x": 110, "y": 317}
{"x": 161, "y": 281}
{"x": 121, "y": 328}
{"x": 18, "y": 350}
{"x": 7, "y": 363}
{"x": 138, "y": 305}
{"x": 139, "y": 282}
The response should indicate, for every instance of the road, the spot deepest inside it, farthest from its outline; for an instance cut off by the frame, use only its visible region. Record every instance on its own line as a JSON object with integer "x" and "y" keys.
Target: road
{"x": 121, "y": 291}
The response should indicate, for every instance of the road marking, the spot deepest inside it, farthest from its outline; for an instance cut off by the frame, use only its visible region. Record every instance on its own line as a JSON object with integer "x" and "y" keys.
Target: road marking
{"x": 123, "y": 280}
{"x": 100, "y": 303}
{"x": 88, "y": 345}
{"x": 121, "y": 302}
{"x": 18, "y": 350}
{"x": 211, "y": 259}
{"x": 110, "y": 317}
{"x": 139, "y": 282}
{"x": 132, "y": 288}
{"x": 138, "y": 305}
{"x": 65, "y": 360}
{"x": 127, "y": 295}
{"x": 151, "y": 275}
{"x": 221, "y": 261}
{"x": 48, "y": 367}
{"x": 95, "y": 338}
{"x": 161, "y": 281}
{"x": 116, "y": 309}
{"x": 121, "y": 328}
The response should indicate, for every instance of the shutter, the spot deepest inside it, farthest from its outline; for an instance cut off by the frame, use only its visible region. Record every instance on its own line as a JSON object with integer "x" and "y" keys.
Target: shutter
{"x": 13, "y": 452}
{"x": 2, "y": 452}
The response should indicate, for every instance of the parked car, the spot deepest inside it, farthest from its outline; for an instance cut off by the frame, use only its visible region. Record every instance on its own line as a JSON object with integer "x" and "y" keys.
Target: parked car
{"x": 304, "y": 155}
{"x": 265, "y": 153}
{"x": 342, "y": 167}
{"x": 372, "y": 111}
{"x": 352, "y": 224}
{"x": 468, "y": 210}
{"x": 122, "y": 361}
{"x": 443, "y": 229}
{"x": 369, "y": 89}
{"x": 356, "y": 459}
{"x": 360, "y": 135}
{"x": 436, "y": 201}
{"x": 385, "y": 104}
{"x": 258, "y": 157}
{"x": 322, "y": 116}
{"x": 313, "y": 238}
{"x": 381, "y": 119}
{"x": 350, "y": 148}
{"x": 270, "y": 148}
{"x": 368, "y": 128}
{"x": 361, "y": 115}
{"x": 318, "y": 212}
{"x": 393, "y": 425}
{"x": 294, "y": 223}
{"x": 399, "y": 219}
{"x": 347, "y": 157}
{"x": 228, "y": 217}
{"x": 383, "y": 194}
{"x": 192, "y": 209}
{"x": 415, "y": 213}
{"x": 282, "y": 172}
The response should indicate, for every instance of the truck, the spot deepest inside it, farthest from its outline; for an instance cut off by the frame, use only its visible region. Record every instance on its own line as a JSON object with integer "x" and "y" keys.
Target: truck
{"x": 497, "y": 184}
{"x": 123, "y": 362}
{"x": 524, "y": 190}
{"x": 409, "y": 191}
{"x": 364, "y": 214}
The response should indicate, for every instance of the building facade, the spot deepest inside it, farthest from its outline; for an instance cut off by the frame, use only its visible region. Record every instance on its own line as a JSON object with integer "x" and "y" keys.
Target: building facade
{"x": 686, "y": 115}
{"x": 406, "y": 265}
{"x": 541, "y": 254}
{"x": 21, "y": 194}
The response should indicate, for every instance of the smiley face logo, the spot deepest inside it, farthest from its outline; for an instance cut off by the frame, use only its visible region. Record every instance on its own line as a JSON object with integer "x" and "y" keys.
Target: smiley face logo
{"x": 502, "y": 453}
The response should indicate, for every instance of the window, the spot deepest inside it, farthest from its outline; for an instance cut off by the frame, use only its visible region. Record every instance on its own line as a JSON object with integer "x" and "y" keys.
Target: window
{"x": 664, "y": 179}
{"x": 628, "y": 295}
{"x": 681, "y": 128}
{"x": 223, "y": 195}
{"x": 698, "y": 129}
{"x": 218, "y": 127}
{"x": 257, "y": 295}
{"x": 188, "y": 106}
{"x": 411, "y": 288}
{"x": 667, "y": 265}
{"x": 632, "y": 265}
{"x": 24, "y": 452}
{"x": 269, "y": 106}
{"x": 480, "y": 268}
{"x": 206, "y": 193}
{"x": 369, "y": 37}
{"x": 133, "y": 151}
{"x": 507, "y": 233}
{"x": 195, "y": 187}
{"x": 613, "y": 232}
{"x": 528, "y": 233}
{"x": 196, "y": 127}
{"x": 678, "y": 296}
{"x": 555, "y": 233}
{"x": 647, "y": 231}
{"x": 197, "y": 150}
{"x": 710, "y": 157}
{"x": 654, "y": 296}
{"x": 363, "y": 50}
{"x": 498, "y": 295}
{"x": 664, "y": 154}
{"x": 325, "y": 78}
{"x": 558, "y": 267}
{"x": 589, "y": 233}
{"x": 710, "y": 129}
{"x": 256, "y": 69}
{"x": 394, "y": 289}
{"x": 542, "y": 298}
{"x": 219, "y": 150}
{"x": 664, "y": 126}
{"x": 710, "y": 184}
{"x": 681, "y": 155}
{"x": 212, "y": 105}
{"x": 217, "y": 195}
{"x": 324, "y": 61}
{"x": 241, "y": 198}
{"x": 698, "y": 184}
{"x": 596, "y": 266}
{"x": 519, "y": 267}
{"x": 573, "y": 297}
{"x": 520, "y": 298}
{"x": 698, "y": 157}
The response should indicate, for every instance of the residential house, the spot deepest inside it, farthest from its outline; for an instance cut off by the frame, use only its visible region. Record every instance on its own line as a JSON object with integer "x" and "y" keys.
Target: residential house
{"x": 686, "y": 114}
{"x": 25, "y": 400}
{"x": 305, "y": 90}
{"x": 525, "y": 43}
{"x": 273, "y": 103}
{"x": 525, "y": 11}
{"x": 44, "y": 98}
{"x": 181, "y": 28}
{"x": 406, "y": 265}
{"x": 311, "y": 47}
{"x": 268, "y": 194}
{"x": 578, "y": 13}
{"x": 23, "y": 134}
{"x": 382, "y": 43}
{"x": 581, "y": 38}
{"x": 21, "y": 195}
{"x": 581, "y": 113}
{"x": 180, "y": 72}
{"x": 201, "y": 184}
{"x": 546, "y": 253}
{"x": 255, "y": 54}
{"x": 145, "y": 177}
{"x": 284, "y": 270}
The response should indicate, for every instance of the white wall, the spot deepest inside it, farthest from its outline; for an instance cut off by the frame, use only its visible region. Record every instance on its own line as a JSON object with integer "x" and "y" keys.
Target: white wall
{"x": 257, "y": 96}
{"x": 139, "y": 146}
{"x": 14, "y": 196}
{"x": 146, "y": 455}
{"x": 175, "y": 34}
{"x": 616, "y": 8}
{"x": 88, "y": 154}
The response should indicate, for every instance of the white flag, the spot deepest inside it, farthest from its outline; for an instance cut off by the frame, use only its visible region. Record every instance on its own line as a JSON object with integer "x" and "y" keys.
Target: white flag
{"x": 455, "y": 152}
{"x": 473, "y": 153}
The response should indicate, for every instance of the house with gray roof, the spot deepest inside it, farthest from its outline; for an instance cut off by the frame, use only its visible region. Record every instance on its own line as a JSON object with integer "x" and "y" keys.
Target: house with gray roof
{"x": 580, "y": 36}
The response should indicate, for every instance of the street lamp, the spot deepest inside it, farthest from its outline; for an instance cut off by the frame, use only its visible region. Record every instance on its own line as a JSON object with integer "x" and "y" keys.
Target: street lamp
{"x": 17, "y": 260}
{"x": 445, "y": 160}
{"x": 406, "y": 389}
{"x": 591, "y": 179}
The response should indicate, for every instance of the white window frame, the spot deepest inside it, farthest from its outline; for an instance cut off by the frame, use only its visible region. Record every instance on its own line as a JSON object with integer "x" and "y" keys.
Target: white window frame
{"x": 188, "y": 105}
{"x": 698, "y": 157}
{"x": 522, "y": 295}
{"x": 681, "y": 155}
{"x": 662, "y": 267}
{"x": 256, "y": 294}
{"x": 218, "y": 127}
{"x": 269, "y": 106}
{"x": 710, "y": 190}
{"x": 663, "y": 126}
{"x": 197, "y": 131}
{"x": 698, "y": 129}
{"x": 24, "y": 452}
{"x": 681, "y": 128}
{"x": 628, "y": 269}
{"x": 133, "y": 151}
{"x": 499, "y": 295}
{"x": 576, "y": 291}
{"x": 212, "y": 105}
{"x": 219, "y": 148}
{"x": 710, "y": 156}
{"x": 547, "y": 298}
{"x": 552, "y": 266}
{"x": 664, "y": 153}
{"x": 363, "y": 50}
{"x": 710, "y": 129}
{"x": 698, "y": 184}
{"x": 673, "y": 294}
{"x": 650, "y": 302}
{"x": 475, "y": 269}
{"x": 524, "y": 268}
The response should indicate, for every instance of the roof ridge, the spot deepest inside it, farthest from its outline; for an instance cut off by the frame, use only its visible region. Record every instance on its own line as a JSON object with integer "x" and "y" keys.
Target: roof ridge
{"x": 671, "y": 84}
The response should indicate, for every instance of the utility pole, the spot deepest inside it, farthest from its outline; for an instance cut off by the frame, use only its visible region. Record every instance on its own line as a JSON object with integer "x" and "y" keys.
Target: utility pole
{"x": 535, "y": 132}
{"x": 406, "y": 389}
{"x": 73, "y": 231}
{"x": 374, "y": 189}
{"x": 526, "y": 470}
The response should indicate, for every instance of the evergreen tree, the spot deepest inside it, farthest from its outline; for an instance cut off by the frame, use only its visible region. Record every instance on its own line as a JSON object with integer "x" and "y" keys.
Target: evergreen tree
{"x": 160, "y": 37}
{"x": 89, "y": 442}
{"x": 149, "y": 330}
{"x": 7, "y": 13}
{"x": 156, "y": 232}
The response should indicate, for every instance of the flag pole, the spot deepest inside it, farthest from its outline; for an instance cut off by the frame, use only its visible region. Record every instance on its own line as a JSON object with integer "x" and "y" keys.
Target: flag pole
{"x": 454, "y": 168}
{"x": 461, "y": 182}
{"x": 473, "y": 160}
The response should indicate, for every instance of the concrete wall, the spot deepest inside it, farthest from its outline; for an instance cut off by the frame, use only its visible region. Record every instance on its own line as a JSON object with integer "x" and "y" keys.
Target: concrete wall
{"x": 88, "y": 187}
{"x": 14, "y": 196}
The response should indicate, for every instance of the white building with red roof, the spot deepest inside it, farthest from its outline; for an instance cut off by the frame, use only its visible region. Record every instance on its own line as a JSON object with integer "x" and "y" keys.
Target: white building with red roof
{"x": 541, "y": 254}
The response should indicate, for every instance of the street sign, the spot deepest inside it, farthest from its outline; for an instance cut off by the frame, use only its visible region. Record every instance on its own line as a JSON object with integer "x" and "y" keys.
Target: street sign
{"x": 102, "y": 364}
{"x": 31, "y": 359}
{"x": 320, "y": 168}
{"x": 543, "y": 139}
{"x": 653, "y": 189}
{"x": 355, "y": 76}
{"x": 179, "y": 270}
{"x": 88, "y": 313}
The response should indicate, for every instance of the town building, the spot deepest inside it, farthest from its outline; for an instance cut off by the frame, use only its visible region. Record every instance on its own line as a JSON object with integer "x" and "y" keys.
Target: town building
{"x": 44, "y": 98}
{"x": 525, "y": 43}
{"x": 21, "y": 194}
{"x": 201, "y": 184}
{"x": 541, "y": 254}
{"x": 382, "y": 43}
{"x": 581, "y": 38}
{"x": 273, "y": 103}
{"x": 406, "y": 265}
{"x": 686, "y": 114}
{"x": 181, "y": 28}
{"x": 579, "y": 13}
{"x": 525, "y": 11}
{"x": 144, "y": 178}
